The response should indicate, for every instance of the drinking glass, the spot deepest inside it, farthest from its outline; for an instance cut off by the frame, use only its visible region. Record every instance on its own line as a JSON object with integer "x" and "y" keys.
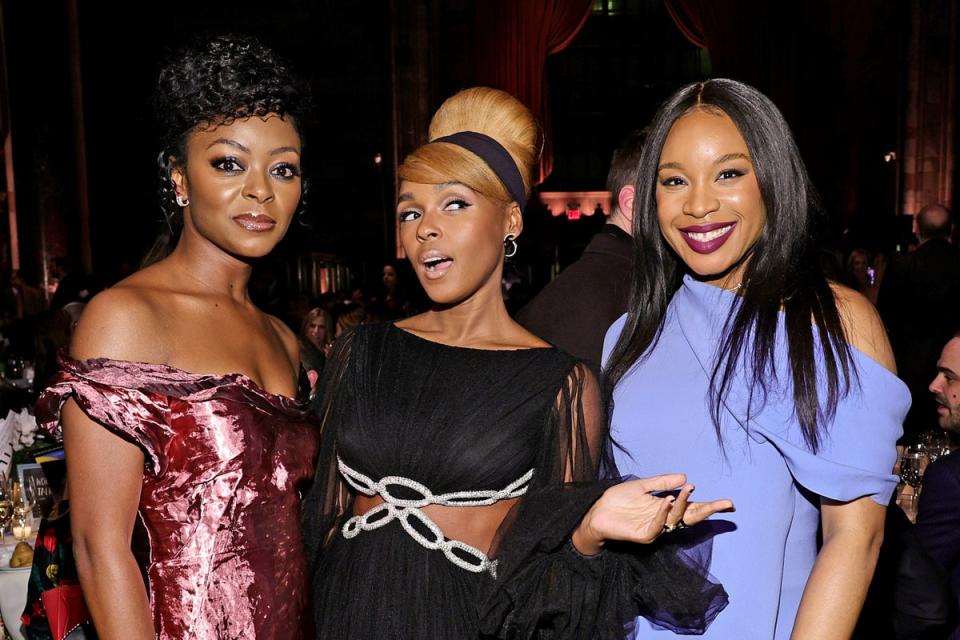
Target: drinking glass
{"x": 936, "y": 443}
{"x": 22, "y": 521}
{"x": 912, "y": 465}
{"x": 6, "y": 509}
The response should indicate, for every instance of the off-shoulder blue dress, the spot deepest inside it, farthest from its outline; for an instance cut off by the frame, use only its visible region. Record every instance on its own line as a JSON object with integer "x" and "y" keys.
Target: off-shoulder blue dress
{"x": 764, "y": 552}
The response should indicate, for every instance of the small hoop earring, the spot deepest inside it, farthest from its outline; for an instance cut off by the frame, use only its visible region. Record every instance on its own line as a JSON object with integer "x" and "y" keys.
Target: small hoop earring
{"x": 181, "y": 201}
{"x": 509, "y": 246}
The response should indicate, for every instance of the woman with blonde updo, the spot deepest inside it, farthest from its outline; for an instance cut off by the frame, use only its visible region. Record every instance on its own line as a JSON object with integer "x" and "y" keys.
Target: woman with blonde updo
{"x": 456, "y": 493}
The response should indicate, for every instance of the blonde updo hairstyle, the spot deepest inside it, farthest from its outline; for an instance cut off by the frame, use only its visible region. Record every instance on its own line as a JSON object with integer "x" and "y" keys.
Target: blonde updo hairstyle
{"x": 489, "y": 111}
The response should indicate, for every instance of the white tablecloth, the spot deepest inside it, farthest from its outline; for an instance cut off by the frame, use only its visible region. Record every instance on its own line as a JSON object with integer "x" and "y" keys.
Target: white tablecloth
{"x": 13, "y": 591}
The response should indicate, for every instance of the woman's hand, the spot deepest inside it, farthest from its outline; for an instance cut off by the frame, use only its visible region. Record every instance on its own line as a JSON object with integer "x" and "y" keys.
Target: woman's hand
{"x": 629, "y": 511}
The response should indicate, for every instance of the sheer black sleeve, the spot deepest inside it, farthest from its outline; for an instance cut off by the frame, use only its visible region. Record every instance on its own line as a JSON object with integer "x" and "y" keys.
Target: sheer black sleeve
{"x": 328, "y": 500}
{"x": 545, "y": 588}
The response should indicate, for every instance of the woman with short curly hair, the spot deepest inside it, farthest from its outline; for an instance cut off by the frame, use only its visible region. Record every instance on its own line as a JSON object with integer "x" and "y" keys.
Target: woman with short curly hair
{"x": 182, "y": 403}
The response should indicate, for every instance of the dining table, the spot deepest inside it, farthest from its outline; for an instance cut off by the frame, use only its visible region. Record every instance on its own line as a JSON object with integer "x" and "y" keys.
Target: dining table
{"x": 13, "y": 590}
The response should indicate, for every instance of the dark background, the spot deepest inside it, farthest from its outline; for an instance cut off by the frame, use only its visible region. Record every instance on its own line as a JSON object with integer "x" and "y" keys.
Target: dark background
{"x": 80, "y": 76}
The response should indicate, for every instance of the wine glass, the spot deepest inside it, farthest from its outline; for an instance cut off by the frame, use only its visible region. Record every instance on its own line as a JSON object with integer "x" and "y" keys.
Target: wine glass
{"x": 936, "y": 443}
{"x": 22, "y": 520}
{"x": 6, "y": 509}
{"x": 912, "y": 464}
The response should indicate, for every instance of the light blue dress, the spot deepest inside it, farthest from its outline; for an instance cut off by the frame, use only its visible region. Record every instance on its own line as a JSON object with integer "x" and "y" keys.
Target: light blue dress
{"x": 762, "y": 553}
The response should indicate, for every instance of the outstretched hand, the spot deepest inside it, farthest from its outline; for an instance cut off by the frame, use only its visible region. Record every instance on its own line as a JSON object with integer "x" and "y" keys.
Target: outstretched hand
{"x": 629, "y": 511}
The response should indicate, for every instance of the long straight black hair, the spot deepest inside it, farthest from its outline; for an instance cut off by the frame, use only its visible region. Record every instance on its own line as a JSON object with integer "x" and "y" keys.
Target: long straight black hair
{"x": 783, "y": 272}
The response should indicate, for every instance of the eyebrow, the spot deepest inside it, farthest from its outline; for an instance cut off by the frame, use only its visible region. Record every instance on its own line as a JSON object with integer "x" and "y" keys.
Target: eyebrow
{"x": 732, "y": 156}
{"x": 237, "y": 145}
{"x": 408, "y": 196}
{"x": 724, "y": 158}
{"x": 946, "y": 370}
{"x": 229, "y": 143}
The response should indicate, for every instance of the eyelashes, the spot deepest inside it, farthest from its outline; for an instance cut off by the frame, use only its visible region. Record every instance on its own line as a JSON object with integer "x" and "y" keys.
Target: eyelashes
{"x": 232, "y": 165}
{"x": 728, "y": 174}
{"x": 723, "y": 174}
{"x": 451, "y": 206}
{"x": 457, "y": 203}
{"x": 286, "y": 170}
{"x": 227, "y": 164}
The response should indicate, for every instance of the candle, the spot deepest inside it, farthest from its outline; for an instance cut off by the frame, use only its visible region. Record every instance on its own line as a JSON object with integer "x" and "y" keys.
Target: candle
{"x": 22, "y": 532}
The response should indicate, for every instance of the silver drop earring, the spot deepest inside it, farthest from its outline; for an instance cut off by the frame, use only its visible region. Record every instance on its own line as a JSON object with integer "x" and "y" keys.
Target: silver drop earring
{"x": 509, "y": 246}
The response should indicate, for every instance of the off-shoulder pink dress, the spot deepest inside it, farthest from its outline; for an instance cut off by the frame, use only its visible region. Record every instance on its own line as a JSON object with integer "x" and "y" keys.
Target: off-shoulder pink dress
{"x": 223, "y": 459}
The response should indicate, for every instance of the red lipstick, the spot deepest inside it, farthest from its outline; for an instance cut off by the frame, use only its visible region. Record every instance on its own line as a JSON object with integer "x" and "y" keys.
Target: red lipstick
{"x": 707, "y": 238}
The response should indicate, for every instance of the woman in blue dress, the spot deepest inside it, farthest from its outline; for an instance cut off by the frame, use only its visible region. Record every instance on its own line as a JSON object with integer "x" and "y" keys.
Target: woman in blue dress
{"x": 740, "y": 362}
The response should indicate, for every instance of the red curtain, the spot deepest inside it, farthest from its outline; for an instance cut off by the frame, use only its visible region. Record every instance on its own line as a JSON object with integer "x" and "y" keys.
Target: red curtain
{"x": 734, "y": 31}
{"x": 688, "y": 16}
{"x": 514, "y": 39}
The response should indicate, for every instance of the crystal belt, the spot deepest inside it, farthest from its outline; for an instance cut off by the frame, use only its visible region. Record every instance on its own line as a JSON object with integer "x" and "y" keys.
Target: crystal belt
{"x": 405, "y": 509}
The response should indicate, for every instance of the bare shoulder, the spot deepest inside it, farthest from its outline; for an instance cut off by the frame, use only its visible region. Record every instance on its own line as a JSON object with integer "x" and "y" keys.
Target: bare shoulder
{"x": 414, "y": 323}
{"x": 863, "y": 326}
{"x": 121, "y": 323}
{"x": 287, "y": 336}
{"x": 531, "y": 340}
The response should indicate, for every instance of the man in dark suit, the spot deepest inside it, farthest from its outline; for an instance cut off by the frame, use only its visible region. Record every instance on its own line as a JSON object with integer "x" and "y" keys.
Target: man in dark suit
{"x": 574, "y": 311}
{"x": 920, "y": 302}
{"x": 938, "y": 526}
{"x": 930, "y": 566}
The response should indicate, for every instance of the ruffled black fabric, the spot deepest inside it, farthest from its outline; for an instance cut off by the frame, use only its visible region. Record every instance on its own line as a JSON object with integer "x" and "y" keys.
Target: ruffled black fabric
{"x": 546, "y": 589}
{"x": 460, "y": 419}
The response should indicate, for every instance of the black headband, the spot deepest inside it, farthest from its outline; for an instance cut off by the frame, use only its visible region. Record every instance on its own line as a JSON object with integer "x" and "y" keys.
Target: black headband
{"x": 496, "y": 157}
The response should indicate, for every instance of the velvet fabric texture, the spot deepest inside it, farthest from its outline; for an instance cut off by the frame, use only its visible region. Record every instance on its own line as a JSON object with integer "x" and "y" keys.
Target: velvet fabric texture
{"x": 223, "y": 460}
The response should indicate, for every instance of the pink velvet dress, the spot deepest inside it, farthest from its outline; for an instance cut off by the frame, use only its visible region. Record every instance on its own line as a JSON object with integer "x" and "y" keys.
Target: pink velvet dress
{"x": 223, "y": 459}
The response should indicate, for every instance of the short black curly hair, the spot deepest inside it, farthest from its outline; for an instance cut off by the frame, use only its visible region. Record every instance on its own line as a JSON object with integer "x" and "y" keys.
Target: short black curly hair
{"x": 223, "y": 79}
{"x": 212, "y": 83}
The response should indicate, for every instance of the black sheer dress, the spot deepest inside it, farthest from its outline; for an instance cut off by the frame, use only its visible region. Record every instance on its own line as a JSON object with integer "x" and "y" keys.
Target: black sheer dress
{"x": 461, "y": 426}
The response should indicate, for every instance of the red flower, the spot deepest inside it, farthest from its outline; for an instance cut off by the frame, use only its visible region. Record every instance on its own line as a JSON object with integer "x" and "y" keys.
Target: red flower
{"x": 25, "y": 620}
{"x": 50, "y": 540}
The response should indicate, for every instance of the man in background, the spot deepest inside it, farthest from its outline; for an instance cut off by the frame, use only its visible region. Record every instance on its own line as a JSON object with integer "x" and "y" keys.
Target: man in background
{"x": 927, "y": 595}
{"x": 574, "y": 311}
{"x": 920, "y": 302}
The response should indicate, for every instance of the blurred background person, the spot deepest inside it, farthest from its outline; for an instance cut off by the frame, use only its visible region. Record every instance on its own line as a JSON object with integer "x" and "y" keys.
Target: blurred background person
{"x": 920, "y": 304}
{"x": 861, "y": 275}
{"x": 575, "y": 309}
{"x": 315, "y": 338}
